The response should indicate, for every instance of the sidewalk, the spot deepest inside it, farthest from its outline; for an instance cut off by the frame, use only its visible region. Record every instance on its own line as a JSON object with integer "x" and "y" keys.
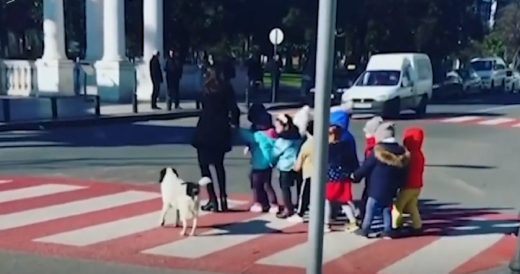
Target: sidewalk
{"x": 123, "y": 113}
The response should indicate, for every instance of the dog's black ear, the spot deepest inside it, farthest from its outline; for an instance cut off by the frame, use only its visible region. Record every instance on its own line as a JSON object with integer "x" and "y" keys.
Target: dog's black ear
{"x": 162, "y": 174}
{"x": 175, "y": 172}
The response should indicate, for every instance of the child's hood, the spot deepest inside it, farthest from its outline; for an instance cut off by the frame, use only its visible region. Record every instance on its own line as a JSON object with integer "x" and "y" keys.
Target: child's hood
{"x": 340, "y": 118}
{"x": 414, "y": 138}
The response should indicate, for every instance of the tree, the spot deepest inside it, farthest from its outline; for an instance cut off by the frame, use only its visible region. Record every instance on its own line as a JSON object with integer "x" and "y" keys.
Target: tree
{"x": 508, "y": 30}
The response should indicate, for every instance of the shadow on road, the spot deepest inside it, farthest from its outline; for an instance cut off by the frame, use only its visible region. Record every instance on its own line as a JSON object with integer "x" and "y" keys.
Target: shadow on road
{"x": 452, "y": 219}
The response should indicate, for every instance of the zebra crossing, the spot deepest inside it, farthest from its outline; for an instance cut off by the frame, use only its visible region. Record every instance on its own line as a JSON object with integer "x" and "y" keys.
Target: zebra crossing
{"x": 483, "y": 121}
{"x": 116, "y": 222}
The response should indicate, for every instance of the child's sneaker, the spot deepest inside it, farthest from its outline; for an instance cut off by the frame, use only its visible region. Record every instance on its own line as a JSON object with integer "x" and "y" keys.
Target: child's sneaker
{"x": 274, "y": 209}
{"x": 327, "y": 229}
{"x": 256, "y": 208}
{"x": 295, "y": 219}
{"x": 351, "y": 228}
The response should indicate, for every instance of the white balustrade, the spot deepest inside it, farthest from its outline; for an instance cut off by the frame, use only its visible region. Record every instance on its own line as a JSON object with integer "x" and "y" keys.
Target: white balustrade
{"x": 18, "y": 78}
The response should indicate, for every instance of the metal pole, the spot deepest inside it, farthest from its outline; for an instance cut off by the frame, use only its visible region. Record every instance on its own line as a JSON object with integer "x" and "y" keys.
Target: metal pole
{"x": 514, "y": 266}
{"x": 324, "y": 52}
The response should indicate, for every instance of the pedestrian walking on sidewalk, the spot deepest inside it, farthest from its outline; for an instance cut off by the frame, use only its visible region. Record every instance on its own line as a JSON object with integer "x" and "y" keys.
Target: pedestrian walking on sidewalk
{"x": 174, "y": 70}
{"x": 214, "y": 131}
{"x": 157, "y": 78}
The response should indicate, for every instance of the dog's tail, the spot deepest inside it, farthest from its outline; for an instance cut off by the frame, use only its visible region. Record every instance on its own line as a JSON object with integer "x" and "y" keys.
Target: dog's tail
{"x": 204, "y": 181}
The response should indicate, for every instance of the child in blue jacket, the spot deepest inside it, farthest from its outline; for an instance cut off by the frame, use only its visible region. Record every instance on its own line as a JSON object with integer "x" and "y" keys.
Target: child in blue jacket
{"x": 285, "y": 153}
{"x": 260, "y": 140}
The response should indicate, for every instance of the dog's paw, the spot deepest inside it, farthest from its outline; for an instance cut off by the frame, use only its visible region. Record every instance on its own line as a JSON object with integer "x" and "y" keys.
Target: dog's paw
{"x": 193, "y": 233}
{"x": 182, "y": 233}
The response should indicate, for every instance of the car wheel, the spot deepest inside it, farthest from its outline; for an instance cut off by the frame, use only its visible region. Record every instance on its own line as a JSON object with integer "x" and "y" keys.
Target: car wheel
{"x": 421, "y": 108}
{"x": 392, "y": 109}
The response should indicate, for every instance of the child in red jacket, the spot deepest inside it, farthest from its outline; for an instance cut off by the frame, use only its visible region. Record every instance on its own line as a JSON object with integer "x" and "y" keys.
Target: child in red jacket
{"x": 370, "y": 143}
{"x": 408, "y": 196}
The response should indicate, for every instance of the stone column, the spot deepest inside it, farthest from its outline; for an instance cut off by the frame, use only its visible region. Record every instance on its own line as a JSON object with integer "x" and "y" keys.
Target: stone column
{"x": 54, "y": 72}
{"x": 152, "y": 42}
{"x": 94, "y": 22}
{"x": 153, "y": 28}
{"x": 114, "y": 74}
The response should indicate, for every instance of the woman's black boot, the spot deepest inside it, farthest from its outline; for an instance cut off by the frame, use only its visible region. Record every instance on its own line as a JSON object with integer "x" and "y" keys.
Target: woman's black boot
{"x": 212, "y": 206}
{"x": 223, "y": 204}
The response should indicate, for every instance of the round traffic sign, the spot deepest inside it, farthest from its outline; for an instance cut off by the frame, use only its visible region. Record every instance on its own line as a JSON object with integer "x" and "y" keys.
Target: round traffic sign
{"x": 276, "y": 36}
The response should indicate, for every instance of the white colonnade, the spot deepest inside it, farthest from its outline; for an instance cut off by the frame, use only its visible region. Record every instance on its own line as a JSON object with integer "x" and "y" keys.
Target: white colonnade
{"x": 55, "y": 74}
{"x": 105, "y": 20}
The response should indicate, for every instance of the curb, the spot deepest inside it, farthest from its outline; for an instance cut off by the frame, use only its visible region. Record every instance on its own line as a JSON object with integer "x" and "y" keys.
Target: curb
{"x": 113, "y": 119}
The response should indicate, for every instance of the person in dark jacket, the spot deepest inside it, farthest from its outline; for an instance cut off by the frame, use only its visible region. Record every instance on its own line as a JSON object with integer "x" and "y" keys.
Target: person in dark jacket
{"x": 157, "y": 78}
{"x": 173, "y": 69}
{"x": 387, "y": 168}
{"x": 275, "y": 68}
{"x": 213, "y": 134}
{"x": 255, "y": 72}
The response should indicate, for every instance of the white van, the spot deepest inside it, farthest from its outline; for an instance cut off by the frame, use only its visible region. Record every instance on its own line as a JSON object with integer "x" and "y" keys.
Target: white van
{"x": 391, "y": 83}
{"x": 492, "y": 71}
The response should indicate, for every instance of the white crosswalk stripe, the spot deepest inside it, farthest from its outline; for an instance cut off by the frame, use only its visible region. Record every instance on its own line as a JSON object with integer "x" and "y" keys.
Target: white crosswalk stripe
{"x": 111, "y": 230}
{"x": 496, "y": 121}
{"x": 331, "y": 250}
{"x": 465, "y": 243}
{"x": 35, "y": 191}
{"x": 33, "y": 216}
{"x": 460, "y": 248}
{"x": 218, "y": 239}
{"x": 461, "y": 119}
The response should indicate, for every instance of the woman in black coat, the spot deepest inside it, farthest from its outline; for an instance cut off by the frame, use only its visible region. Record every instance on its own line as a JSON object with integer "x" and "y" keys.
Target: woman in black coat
{"x": 213, "y": 135}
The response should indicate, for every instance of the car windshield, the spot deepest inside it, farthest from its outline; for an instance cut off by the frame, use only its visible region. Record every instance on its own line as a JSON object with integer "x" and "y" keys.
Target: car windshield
{"x": 482, "y": 65}
{"x": 379, "y": 78}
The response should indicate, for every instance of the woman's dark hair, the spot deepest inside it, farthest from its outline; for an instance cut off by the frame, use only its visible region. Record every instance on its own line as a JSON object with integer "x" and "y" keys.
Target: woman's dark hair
{"x": 310, "y": 127}
{"x": 212, "y": 80}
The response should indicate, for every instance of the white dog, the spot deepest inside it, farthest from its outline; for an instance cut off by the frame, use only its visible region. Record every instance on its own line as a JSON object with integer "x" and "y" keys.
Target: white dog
{"x": 182, "y": 197}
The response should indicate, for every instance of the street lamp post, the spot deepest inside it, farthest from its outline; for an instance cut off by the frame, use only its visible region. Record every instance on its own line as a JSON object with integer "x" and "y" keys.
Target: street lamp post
{"x": 324, "y": 58}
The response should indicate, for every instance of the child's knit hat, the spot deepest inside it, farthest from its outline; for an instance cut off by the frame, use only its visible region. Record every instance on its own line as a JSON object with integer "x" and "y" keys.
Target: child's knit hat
{"x": 372, "y": 125}
{"x": 384, "y": 131}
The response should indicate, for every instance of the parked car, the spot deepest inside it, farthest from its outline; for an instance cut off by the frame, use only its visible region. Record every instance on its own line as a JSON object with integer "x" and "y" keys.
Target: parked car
{"x": 471, "y": 82}
{"x": 492, "y": 71}
{"x": 512, "y": 81}
{"x": 452, "y": 86}
{"x": 391, "y": 83}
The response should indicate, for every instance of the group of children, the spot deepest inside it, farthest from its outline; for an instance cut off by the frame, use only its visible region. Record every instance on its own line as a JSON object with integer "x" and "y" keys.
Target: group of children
{"x": 393, "y": 174}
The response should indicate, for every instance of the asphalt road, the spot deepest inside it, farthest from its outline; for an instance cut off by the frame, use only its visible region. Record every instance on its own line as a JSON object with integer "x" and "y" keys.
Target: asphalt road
{"x": 470, "y": 166}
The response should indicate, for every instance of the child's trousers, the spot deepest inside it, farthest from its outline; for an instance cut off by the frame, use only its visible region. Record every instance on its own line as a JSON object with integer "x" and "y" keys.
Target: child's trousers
{"x": 349, "y": 209}
{"x": 407, "y": 200}
{"x": 304, "y": 197}
{"x": 373, "y": 208}
{"x": 287, "y": 180}
{"x": 259, "y": 181}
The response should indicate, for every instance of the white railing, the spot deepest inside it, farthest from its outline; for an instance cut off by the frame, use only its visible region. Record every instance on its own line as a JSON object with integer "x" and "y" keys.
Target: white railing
{"x": 18, "y": 77}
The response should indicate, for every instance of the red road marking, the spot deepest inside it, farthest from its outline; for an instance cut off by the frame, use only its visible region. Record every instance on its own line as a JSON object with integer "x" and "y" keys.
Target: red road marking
{"x": 498, "y": 254}
{"x": 249, "y": 252}
{"x": 240, "y": 258}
